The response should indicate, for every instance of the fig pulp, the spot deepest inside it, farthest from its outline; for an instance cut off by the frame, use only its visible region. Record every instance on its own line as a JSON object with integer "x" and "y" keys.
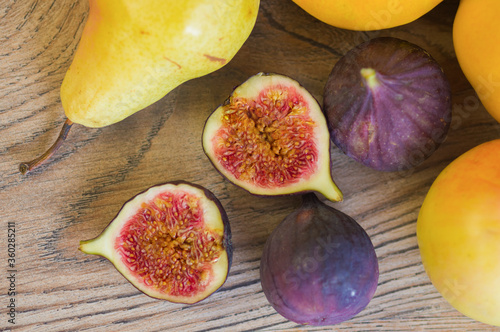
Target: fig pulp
{"x": 388, "y": 104}
{"x": 270, "y": 137}
{"x": 172, "y": 242}
{"x": 319, "y": 266}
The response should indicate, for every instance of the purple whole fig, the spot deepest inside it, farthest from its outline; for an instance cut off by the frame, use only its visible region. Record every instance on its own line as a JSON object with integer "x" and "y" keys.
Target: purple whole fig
{"x": 388, "y": 104}
{"x": 319, "y": 266}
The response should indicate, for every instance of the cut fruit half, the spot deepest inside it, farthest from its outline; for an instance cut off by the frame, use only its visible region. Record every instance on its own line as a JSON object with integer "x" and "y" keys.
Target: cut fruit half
{"x": 172, "y": 242}
{"x": 270, "y": 137}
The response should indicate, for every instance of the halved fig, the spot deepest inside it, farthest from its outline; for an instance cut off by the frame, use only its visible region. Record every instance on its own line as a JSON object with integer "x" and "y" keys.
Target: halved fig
{"x": 270, "y": 137}
{"x": 388, "y": 104}
{"x": 172, "y": 242}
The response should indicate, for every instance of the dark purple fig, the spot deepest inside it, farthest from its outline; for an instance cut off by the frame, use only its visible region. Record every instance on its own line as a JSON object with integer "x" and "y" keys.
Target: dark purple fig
{"x": 388, "y": 104}
{"x": 270, "y": 137}
{"x": 172, "y": 242}
{"x": 319, "y": 266}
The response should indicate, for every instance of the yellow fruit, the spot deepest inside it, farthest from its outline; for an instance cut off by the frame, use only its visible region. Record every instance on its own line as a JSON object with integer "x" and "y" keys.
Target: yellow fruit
{"x": 458, "y": 231}
{"x": 132, "y": 53}
{"x": 476, "y": 40}
{"x": 365, "y": 15}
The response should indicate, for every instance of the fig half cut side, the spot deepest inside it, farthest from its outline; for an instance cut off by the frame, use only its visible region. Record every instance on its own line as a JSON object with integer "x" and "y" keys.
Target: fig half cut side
{"x": 172, "y": 242}
{"x": 270, "y": 137}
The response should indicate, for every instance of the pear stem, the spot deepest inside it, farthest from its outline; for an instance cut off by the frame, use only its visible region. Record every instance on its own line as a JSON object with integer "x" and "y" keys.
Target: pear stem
{"x": 27, "y": 167}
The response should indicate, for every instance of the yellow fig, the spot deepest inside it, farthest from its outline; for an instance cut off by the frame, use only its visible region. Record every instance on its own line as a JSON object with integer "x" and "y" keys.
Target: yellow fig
{"x": 133, "y": 52}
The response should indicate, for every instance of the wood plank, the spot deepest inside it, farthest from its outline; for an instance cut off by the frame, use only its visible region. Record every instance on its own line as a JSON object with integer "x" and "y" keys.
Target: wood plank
{"x": 75, "y": 195}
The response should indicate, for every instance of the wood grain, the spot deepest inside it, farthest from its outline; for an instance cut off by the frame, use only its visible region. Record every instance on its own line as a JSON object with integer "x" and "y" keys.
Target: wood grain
{"x": 76, "y": 194}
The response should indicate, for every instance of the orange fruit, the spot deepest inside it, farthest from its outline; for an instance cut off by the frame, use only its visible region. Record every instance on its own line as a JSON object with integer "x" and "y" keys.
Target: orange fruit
{"x": 363, "y": 15}
{"x": 476, "y": 40}
{"x": 458, "y": 232}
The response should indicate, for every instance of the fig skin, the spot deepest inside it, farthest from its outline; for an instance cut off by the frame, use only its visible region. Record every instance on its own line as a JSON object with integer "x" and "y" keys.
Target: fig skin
{"x": 319, "y": 266}
{"x": 388, "y": 104}
{"x": 270, "y": 138}
{"x": 104, "y": 245}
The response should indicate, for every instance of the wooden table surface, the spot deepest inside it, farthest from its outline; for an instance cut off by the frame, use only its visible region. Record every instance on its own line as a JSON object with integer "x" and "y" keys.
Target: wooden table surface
{"x": 76, "y": 194}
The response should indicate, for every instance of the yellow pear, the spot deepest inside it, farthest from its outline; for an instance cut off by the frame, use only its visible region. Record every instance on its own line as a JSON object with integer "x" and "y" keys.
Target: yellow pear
{"x": 133, "y": 52}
